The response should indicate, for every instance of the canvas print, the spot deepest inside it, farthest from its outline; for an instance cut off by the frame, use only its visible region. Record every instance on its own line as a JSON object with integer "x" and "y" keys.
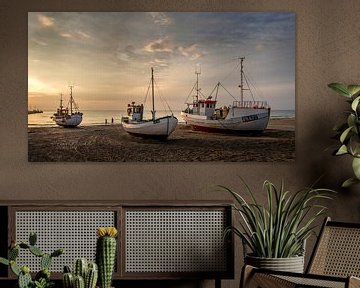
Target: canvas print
{"x": 161, "y": 86}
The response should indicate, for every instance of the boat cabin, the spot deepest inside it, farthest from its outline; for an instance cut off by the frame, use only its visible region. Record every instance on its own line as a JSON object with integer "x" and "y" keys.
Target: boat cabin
{"x": 206, "y": 107}
{"x": 136, "y": 111}
{"x": 203, "y": 107}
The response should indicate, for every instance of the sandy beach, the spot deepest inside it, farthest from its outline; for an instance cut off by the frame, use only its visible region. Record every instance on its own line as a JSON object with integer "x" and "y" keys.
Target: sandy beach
{"x": 112, "y": 143}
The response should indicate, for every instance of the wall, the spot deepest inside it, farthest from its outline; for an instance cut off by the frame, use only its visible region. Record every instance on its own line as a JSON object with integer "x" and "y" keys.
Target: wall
{"x": 327, "y": 50}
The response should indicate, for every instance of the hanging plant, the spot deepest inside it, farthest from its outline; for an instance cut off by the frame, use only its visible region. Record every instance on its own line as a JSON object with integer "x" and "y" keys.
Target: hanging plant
{"x": 349, "y": 132}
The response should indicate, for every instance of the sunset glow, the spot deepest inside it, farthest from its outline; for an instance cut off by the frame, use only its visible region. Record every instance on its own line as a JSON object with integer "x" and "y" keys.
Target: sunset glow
{"x": 107, "y": 56}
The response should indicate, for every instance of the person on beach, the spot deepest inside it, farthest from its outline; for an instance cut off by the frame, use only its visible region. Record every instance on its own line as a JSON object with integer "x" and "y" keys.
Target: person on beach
{"x": 112, "y": 120}
{"x": 105, "y": 121}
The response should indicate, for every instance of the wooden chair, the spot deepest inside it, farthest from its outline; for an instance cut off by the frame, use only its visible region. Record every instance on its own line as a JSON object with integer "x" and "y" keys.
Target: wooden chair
{"x": 335, "y": 262}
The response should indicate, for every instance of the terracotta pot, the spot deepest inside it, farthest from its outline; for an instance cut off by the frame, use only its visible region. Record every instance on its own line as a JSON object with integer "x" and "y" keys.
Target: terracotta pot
{"x": 291, "y": 264}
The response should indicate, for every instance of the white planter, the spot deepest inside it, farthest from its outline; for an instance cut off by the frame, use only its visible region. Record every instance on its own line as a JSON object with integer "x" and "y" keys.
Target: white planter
{"x": 291, "y": 264}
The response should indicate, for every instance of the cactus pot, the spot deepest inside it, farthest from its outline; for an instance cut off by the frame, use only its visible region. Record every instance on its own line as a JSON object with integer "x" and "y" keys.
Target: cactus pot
{"x": 291, "y": 264}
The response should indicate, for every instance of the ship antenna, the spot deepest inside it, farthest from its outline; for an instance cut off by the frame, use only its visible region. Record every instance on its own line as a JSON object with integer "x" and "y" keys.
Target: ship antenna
{"x": 197, "y": 72}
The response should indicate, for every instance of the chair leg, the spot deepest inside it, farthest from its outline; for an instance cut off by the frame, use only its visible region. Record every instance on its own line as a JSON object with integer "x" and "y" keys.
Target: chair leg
{"x": 217, "y": 283}
{"x": 250, "y": 278}
{"x": 246, "y": 273}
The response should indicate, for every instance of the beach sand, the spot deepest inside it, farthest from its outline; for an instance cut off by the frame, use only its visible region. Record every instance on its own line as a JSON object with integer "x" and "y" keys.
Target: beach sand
{"x": 112, "y": 143}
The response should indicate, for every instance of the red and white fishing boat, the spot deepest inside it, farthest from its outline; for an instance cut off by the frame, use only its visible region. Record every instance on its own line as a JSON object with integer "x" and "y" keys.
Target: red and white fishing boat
{"x": 135, "y": 125}
{"x": 240, "y": 116}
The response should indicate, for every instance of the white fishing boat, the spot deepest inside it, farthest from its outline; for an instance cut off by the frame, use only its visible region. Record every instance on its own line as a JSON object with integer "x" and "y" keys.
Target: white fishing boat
{"x": 68, "y": 117}
{"x": 136, "y": 125}
{"x": 240, "y": 116}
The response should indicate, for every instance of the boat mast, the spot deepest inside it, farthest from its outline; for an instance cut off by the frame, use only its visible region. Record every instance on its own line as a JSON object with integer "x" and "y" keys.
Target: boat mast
{"x": 197, "y": 72}
{"x": 152, "y": 90}
{"x": 71, "y": 99}
{"x": 61, "y": 102}
{"x": 241, "y": 81}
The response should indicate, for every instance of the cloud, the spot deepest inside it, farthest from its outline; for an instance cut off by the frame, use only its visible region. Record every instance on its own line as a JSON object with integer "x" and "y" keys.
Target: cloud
{"x": 159, "y": 45}
{"x": 65, "y": 35}
{"x": 40, "y": 43}
{"x": 161, "y": 18}
{"x": 159, "y": 63}
{"x": 260, "y": 47}
{"x": 192, "y": 52}
{"x": 77, "y": 34}
{"x": 45, "y": 20}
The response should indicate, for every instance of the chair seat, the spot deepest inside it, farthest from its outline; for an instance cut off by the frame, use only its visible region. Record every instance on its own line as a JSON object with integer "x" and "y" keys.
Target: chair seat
{"x": 268, "y": 279}
{"x": 335, "y": 262}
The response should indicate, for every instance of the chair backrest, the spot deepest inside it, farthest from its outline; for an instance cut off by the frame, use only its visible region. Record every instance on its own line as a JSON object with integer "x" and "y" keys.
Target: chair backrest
{"x": 337, "y": 251}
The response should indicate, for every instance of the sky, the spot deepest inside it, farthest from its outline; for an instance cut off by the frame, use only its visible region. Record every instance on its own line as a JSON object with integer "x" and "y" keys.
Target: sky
{"x": 108, "y": 56}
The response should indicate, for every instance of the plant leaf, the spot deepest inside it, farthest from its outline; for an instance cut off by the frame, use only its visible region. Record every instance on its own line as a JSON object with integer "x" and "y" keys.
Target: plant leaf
{"x": 355, "y": 103}
{"x": 356, "y": 167}
{"x": 340, "y": 88}
{"x": 353, "y": 89}
{"x": 354, "y": 145}
{"x": 4, "y": 261}
{"x": 349, "y": 182}
{"x": 345, "y": 134}
{"x": 342, "y": 150}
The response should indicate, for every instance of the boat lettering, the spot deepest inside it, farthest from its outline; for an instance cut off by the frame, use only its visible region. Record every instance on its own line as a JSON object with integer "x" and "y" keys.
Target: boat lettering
{"x": 250, "y": 118}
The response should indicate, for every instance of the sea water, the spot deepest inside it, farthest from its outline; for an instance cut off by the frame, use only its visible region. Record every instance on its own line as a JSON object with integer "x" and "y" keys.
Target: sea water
{"x": 93, "y": 117}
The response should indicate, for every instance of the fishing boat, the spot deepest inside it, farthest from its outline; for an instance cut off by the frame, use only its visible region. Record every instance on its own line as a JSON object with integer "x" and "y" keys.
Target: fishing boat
{"x": 35, "y": 111}
{"x": 69, "y": 116}
{"x": 136, "y": 125}
{"x": 240, "y": 116}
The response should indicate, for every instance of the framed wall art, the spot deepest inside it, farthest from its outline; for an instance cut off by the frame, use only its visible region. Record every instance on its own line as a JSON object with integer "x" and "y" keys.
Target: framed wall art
{"x": 161, "y": 86}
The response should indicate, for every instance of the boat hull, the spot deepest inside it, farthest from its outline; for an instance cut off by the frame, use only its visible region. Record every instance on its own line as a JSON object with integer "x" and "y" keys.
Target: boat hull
{"x": 68, "y": 121}
{"x": 160, "y": 128}
{"x": 237, "y": 120}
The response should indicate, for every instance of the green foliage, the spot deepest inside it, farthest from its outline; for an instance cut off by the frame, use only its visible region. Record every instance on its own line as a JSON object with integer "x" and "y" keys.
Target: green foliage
{"x": 42, "y": 283}
{"x": 42, "y": 278}
{"x": 349, "y": 131}
{"x": 280, "y": 229}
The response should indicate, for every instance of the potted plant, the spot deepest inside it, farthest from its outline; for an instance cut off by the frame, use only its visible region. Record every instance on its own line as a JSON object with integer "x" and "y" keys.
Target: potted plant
{"x": 349, "y": 131}
{"x": 276, "y": 233}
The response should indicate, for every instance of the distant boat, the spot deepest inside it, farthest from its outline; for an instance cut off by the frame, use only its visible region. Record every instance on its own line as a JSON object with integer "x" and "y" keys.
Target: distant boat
{"x": 35, "y": 111}
{"x": 65, "y": 117}
{"x": 240, "y": 116}
{"x": 159, "y": 128}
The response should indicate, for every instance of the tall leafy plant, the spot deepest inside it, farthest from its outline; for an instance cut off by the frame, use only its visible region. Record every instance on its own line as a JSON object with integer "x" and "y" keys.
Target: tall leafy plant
{"x": 279, "y": 229}
{"x": 349, "y": 131}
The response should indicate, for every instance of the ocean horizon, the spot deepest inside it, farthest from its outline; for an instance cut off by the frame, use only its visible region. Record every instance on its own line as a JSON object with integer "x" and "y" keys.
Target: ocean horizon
{"x": 97, "y": 117}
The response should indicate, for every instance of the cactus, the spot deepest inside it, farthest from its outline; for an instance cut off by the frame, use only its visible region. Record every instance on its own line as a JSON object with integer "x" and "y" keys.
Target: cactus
{"x": 14, "y": 268}
{"x": 87, "y": 272}
{"x": 79, "y": 282}
{"x": 13, "y": 253}
{"x": 91, "y": 276}
{"x": 42, "y": 278}
{"x": 80, "y": 267}
{"x": 45, "y": 261}
{"x": 44, "y": 273}
{"x": 36, "y": 251}
{"x": 32, "y": 239}
{"x": 106, "y": 254}
{"x": 24, "y": 277}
